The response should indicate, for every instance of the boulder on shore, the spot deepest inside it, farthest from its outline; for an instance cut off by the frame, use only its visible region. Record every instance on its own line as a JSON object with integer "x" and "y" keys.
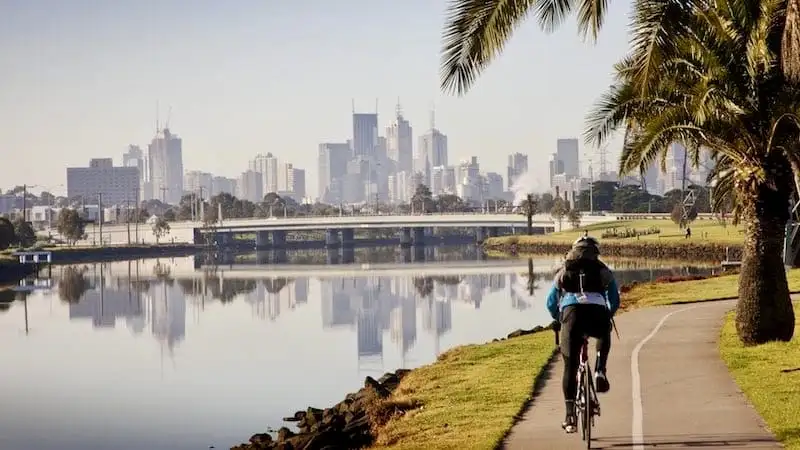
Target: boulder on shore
{"x": 348, "y": 424}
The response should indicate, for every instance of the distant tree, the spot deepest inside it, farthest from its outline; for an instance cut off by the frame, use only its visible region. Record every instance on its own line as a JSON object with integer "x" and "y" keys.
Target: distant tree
{"x": 530, "y": 206}
{"x": 546, "y": 202}
{"x": 160, "y": 228}
{"x": 24, "y": 235}
{"x": 422, "y": 200}
{"x": 559, "y": 210}
{"x": 574, "y": 216}
{"x": 71, "y": 225}
{"x": 450, "y": 203}
{"x": 169, "y": 215}
{"x": 274, "y": 205}
{"x": 7, "y": 235}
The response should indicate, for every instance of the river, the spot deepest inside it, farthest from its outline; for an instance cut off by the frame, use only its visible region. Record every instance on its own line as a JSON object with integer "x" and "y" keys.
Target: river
{"x": 186, "y": 353}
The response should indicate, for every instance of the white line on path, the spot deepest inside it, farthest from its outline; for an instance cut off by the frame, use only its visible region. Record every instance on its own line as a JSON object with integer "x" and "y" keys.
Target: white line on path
{"x": 637, "y": 430}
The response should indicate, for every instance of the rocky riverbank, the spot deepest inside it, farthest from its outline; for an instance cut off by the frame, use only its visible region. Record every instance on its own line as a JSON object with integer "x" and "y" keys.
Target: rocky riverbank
{"x": 634, "y": 249}
{"x": 351, "y": 423}
{"x": 348, "y": 424}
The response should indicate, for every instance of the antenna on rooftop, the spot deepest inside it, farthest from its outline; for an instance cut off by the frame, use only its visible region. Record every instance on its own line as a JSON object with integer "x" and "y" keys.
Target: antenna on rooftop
{"x": 398, "y": 109}
{"x": 353, "y": 101}
{"x": 433, "y": 117}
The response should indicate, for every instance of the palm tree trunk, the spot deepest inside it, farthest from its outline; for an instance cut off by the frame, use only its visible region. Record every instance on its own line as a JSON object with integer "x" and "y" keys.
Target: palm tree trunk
{"x": 764, "y": 310}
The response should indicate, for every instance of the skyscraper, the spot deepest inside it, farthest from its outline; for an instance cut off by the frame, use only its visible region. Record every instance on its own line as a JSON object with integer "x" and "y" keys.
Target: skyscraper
{"x": 517, "y": 165}
{"x": 365, "y": 134}
{"x": 331, "y": 168}
{"x": 297, "y": 183}
{"x": 101, "y": 181}
{"x": 267, "y": 166}
{"x": 251, "y": 186}
{"x": 399, "y": 142}
{"x": 198, "y": 183}
{"x": 166, "y": 167}
{"x": 134, "y": 157}
{"x": 567, "y": 152}
{"x": 431, "y": 151}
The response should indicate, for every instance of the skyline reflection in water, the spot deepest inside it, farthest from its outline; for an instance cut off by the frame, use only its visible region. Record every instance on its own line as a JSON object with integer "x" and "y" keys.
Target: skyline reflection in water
{"x": 157, "y": 354}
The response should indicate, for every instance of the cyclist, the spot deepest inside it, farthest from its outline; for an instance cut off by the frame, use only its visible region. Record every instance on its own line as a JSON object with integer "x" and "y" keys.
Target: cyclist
{"x": 583, "y": 299}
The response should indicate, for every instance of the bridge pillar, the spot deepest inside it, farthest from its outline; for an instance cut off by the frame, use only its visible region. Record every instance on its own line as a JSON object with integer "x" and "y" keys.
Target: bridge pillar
{"x": 348, "y": 255}
{"x": 480, "y": 234}
{"x": 332, "y": 256}
{"x": 227, "y": 239}
{"x": 262, "y": 240}
{"x": 419, "y": 236}
{"x": 331, "y": 238}
{"x": 419, "y": 253}
{"x": 348, "y": 237}
{"x": 405, "y": 237}
{"x": 228, "y": 258}
{"x": 405, "y": 253}
{"x": 280, "y": 256}
{"x": 197, "y": 236}
{"x": 279, "y": 239}
{"x": 262, "y": 257}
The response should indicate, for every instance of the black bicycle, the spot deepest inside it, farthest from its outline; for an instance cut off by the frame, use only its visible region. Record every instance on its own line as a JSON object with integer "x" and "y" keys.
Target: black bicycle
{"x": 586, "y": 404}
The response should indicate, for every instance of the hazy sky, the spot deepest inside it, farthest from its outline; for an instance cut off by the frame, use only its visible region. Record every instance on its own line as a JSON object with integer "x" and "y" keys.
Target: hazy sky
{"x": 80, "y": 79}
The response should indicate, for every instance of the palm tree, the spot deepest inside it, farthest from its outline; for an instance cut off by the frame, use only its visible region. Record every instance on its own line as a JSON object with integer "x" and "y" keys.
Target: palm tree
{"x": 716, "y": 84}
{"x": 476, "y": 31}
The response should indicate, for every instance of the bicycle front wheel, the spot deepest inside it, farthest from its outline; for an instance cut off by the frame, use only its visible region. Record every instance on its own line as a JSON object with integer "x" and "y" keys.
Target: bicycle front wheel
{"x": 586, "y": 420}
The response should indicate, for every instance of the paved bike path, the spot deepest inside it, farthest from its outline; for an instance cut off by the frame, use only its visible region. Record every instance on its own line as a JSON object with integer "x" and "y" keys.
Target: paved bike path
{"x": 686, "y": 395}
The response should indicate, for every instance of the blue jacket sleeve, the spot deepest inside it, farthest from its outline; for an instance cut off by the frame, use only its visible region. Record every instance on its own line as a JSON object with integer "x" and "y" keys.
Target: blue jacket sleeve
{"x": 552, "y": 301}
{"x": 612, "y": 294}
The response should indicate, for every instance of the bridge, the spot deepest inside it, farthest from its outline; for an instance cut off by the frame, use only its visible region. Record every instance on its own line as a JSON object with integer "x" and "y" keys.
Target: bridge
{"x": 341, "y": 227}
{"x": 340, "y": 230}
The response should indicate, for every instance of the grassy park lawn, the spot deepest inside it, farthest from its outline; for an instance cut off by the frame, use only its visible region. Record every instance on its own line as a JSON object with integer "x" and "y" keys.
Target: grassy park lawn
{"x": 472, "y": 393}
{"x": 658, "y": 294}
{"x": 703, "y": 231}
{"x": 469, "y": 396}
{"x": 764, "y": 373}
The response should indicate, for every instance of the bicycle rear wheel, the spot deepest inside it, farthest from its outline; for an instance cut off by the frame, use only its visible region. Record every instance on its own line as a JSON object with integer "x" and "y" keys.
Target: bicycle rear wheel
{"x": 580, "y": 401}
{"x": 588, "y": 408}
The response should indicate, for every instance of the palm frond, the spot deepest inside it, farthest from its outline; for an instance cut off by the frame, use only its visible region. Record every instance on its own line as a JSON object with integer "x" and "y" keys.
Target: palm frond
{"x": 790, "y": 44}
{"x": 475, "y": 33}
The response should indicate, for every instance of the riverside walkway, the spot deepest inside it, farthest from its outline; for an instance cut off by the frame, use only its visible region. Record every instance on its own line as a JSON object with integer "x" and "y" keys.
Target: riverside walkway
{"x": 669, "y": 389}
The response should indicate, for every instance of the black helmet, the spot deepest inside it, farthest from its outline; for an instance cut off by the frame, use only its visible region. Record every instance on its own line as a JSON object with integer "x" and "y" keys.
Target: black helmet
{"x": 586, "y": 242}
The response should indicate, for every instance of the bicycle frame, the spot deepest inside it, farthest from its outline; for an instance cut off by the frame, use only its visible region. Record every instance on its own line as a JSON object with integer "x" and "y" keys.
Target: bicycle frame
{"x": 586, "y": 403}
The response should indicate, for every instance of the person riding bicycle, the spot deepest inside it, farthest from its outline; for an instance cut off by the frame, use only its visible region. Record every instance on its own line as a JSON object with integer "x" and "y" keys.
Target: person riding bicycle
{"x": 583, "y": 300}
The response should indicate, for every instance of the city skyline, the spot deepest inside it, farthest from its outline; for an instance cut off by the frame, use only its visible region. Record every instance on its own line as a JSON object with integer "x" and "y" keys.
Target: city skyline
{"x": 242, "y": 94}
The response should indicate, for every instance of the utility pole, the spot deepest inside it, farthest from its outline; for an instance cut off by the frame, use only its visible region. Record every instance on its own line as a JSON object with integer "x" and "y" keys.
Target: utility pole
{"x": 377, "y": 204}
{"x": 201, "y": 205}
{"x": 24, "y": 207}
{"x": 138, "y": 219}
{"x": 163, "y": 194}
{"x": 100, "y": 215}
{"x": 128, "y": 217}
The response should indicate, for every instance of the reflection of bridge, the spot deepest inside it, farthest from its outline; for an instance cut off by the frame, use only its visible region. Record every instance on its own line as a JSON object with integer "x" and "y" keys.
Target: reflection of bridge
{"x": 433, "y": 269}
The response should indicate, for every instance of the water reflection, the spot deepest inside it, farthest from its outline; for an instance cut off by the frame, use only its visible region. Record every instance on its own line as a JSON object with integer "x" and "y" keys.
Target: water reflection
{"x": 248, "y": 343}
